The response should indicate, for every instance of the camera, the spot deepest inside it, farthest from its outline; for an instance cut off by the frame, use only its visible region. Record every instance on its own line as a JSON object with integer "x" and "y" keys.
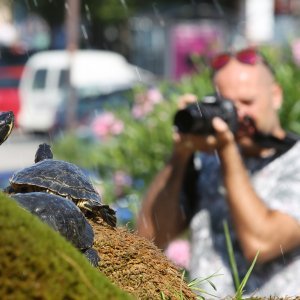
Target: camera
{"x": 197, "y": 118}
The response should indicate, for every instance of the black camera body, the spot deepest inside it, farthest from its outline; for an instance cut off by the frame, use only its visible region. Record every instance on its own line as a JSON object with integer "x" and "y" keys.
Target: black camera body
{"x": 197, "y": 118}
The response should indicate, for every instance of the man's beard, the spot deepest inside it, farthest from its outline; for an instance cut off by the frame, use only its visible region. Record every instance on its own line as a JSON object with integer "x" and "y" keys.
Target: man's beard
{"x": 256, "y": 143}
{"x": 249, "y": 138}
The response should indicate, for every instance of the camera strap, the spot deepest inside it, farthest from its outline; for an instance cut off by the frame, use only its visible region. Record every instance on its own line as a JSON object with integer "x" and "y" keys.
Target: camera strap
{"x": 280, "y": 145}
{"x": 190, "y": 190}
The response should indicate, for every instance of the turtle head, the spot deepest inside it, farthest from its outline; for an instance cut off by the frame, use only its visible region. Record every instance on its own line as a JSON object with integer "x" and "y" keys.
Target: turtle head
{"x": 43, "y": 152}
{"x": 7, "y": 122}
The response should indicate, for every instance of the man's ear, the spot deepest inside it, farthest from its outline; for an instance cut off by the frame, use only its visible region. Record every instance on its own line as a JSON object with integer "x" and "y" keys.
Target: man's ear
{"x": 277, "y": 96}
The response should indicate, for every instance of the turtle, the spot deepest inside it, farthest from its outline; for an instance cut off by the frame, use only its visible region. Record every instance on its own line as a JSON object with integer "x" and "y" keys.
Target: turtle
{"x": 7, "y": 122}
{"x": 64, "y": 217}
{"x": 64, "y": 179}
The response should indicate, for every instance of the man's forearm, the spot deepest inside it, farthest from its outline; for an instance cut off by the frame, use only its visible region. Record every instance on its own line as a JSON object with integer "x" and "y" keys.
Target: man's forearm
{"x": 257, "y": 227}
{"x": 161, "y": 218}
{"x": 247, "y": 210}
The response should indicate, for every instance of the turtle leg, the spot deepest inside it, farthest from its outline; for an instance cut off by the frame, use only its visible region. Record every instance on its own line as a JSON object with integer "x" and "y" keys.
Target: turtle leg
{"x": 93, "y": 256}
{"x": 9, "y": 190}
{"x": 102, "y": 210}
{"x": 108, "y": 215}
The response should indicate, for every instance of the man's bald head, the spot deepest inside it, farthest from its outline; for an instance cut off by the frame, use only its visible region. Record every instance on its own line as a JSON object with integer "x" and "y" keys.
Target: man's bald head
{"x": 254, "y": 91}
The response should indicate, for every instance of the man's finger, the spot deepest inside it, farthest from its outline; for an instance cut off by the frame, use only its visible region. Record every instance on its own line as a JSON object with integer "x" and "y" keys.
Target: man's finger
{"x": 185, "y": 100}
{"x": 219, "y": 125}
{"x": 223, "y": 133}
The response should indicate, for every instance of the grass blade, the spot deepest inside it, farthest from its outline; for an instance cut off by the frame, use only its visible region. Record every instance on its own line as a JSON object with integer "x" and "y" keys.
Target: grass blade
{"x": 232, "y": 261}
{"x": 245, "y": 279}
{"x": 194, "y": 285}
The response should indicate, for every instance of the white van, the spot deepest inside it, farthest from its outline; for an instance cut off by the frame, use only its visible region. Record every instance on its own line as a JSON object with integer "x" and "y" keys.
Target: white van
{"x": 43, "y": 85}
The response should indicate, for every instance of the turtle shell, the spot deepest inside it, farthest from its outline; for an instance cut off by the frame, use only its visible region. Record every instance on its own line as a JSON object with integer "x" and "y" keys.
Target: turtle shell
{"x": 59, "y": 177}
{"x": 61, "y": 215}
{"x": 64, "y": 179}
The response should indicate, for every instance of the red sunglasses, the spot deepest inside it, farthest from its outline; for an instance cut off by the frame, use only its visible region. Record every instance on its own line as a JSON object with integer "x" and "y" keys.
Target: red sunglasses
{"x": 248, "y": 56}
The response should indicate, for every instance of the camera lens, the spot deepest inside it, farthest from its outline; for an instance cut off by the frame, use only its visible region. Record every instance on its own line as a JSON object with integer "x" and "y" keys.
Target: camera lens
{"x": 184, "y": 120}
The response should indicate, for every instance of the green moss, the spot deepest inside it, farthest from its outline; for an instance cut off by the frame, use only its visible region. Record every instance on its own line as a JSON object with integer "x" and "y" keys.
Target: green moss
{"x": 37, "y": 263}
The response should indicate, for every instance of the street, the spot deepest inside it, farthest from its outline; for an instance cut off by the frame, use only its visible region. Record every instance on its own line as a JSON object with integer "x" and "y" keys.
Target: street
{"x": 18, "y": 151}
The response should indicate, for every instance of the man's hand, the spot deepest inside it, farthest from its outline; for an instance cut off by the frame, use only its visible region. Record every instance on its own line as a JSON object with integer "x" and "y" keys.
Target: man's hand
{"x": 223, "y": 135}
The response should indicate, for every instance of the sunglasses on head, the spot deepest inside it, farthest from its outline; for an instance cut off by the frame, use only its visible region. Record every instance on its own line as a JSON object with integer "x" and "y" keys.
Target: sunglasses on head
{"x": 248, "y": 56}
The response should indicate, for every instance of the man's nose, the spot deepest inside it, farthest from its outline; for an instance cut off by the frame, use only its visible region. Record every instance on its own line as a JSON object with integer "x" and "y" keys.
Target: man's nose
{"x": 241, "y": 112}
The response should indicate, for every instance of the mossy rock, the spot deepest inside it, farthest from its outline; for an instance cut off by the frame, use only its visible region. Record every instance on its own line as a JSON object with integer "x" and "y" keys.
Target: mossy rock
{"x": 37, "y": 263}
{"x": 137, "y": 266}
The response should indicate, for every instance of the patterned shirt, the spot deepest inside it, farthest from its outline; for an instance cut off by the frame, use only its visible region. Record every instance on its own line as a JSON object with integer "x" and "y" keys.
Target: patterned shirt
{"x": 277, "y": 183}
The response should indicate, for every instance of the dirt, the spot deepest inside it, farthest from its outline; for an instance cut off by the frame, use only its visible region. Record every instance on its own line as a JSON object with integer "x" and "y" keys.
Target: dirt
{"x": 137, "y": 266}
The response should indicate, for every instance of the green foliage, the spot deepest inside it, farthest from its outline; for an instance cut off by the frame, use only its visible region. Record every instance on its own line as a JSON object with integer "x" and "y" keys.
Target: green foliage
{"x": 112, "y": 11}
{"x": 288, "y": 75}
{"x": 37, "y": 263}
{"x": 141, "y": 149}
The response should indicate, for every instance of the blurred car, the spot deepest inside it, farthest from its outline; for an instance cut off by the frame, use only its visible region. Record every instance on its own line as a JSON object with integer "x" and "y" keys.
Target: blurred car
{"x": 100, "y": 116}
{"x": 89, "y": 106}
{"x": 11, "y": 67}
{"x": 44, "y": 83}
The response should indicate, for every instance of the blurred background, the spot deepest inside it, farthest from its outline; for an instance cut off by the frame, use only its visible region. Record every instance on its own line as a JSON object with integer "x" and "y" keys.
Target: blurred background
{"x": 99, "y": 80}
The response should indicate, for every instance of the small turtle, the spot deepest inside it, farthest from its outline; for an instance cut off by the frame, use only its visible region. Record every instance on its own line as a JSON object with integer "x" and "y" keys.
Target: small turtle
{"x": 7, "y": 122}
{"x": 64, "y": 179}
{"x": 64, "y": 217}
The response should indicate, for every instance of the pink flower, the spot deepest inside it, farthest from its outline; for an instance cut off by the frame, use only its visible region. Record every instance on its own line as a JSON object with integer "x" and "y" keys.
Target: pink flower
{"x": 144, "y": 102}
{"x": 296, "y": 51}
{"x": 141, "y": 110}
{"x": 154, "y": 95}
{"x": 178, "y": 252}
{"x": 106, "y": 124}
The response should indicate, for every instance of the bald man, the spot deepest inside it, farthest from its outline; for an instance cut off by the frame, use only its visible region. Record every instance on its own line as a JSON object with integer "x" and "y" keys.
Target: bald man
{"x": 254, "y": 187}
